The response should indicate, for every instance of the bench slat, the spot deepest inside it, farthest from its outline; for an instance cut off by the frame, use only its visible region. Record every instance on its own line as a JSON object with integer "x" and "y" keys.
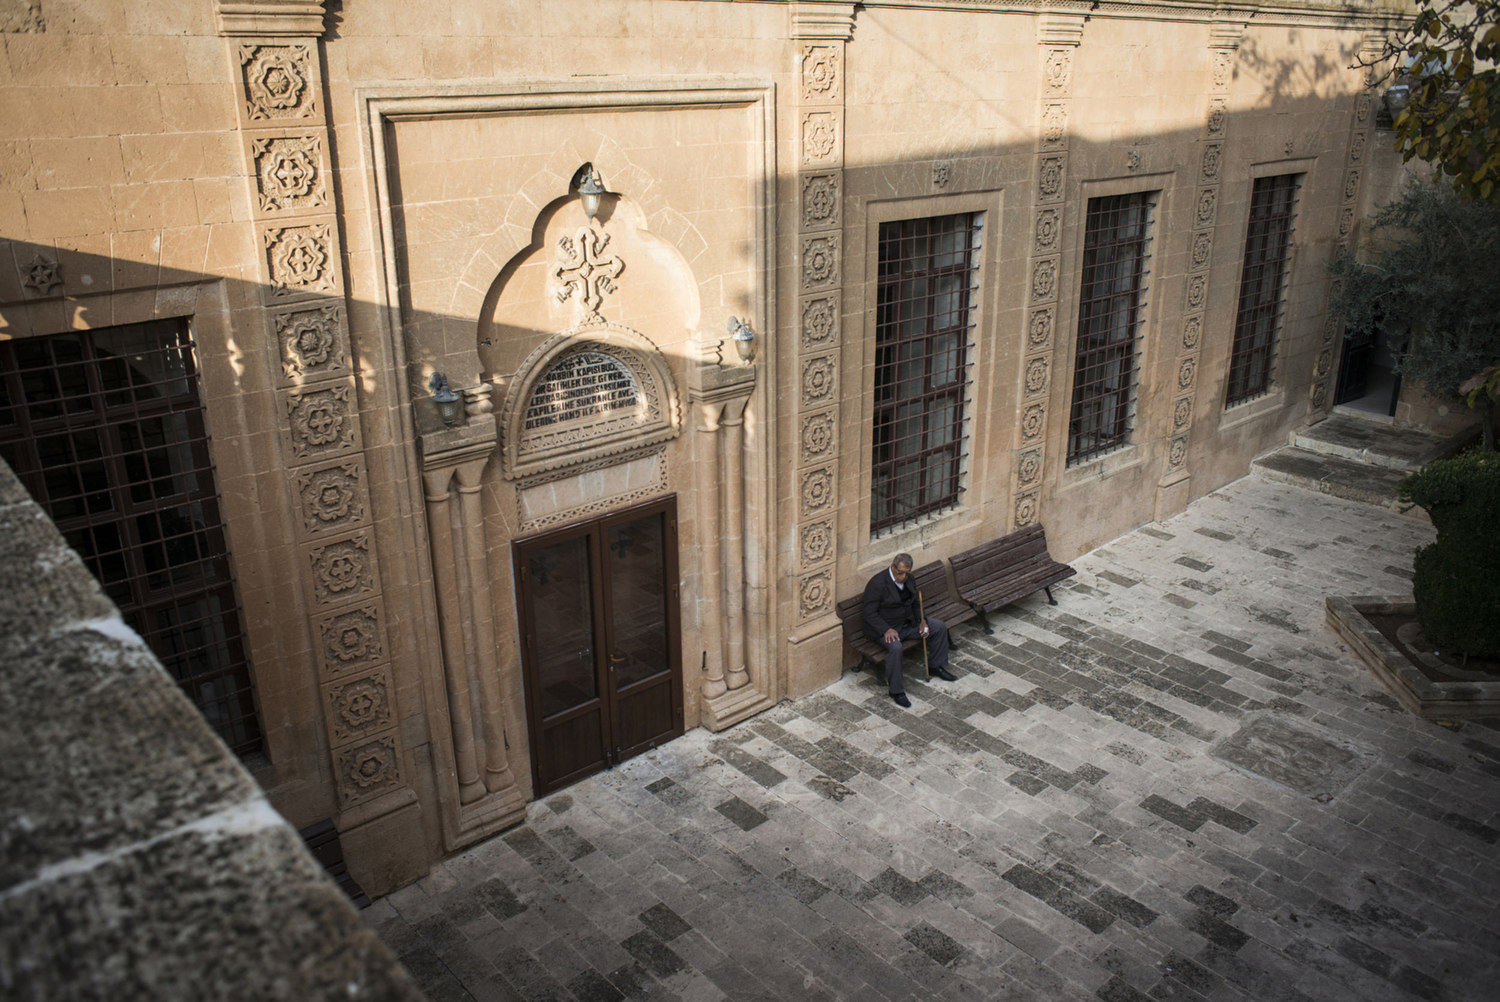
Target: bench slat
{"x": 1003, "y": 570}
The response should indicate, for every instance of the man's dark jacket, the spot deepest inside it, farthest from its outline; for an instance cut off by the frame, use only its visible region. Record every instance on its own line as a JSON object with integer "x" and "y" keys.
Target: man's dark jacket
{"x": 889, "y": 607}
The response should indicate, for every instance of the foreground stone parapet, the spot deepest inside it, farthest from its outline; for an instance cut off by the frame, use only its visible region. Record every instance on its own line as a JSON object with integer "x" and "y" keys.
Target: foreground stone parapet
{"x": 138, "y": 859}
{"x": 1450, "y": 697}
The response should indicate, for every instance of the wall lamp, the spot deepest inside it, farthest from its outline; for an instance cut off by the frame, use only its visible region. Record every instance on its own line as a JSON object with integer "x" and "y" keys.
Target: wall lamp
{"x": 743, "y": 338}
{"x": 449, "y": 404}
{"x": 591, "y": 190}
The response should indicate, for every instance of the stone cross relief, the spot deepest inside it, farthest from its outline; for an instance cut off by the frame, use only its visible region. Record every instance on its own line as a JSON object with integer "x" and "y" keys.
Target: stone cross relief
{"x": 583, "y": 268}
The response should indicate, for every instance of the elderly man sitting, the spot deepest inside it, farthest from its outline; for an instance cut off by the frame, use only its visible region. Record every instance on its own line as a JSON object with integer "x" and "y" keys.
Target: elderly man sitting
{"x": 892, "y": 616}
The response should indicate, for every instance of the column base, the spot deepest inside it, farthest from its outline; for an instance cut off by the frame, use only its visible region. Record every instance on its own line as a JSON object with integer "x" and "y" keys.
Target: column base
{"x": 815, "y": 656}
{"x": 1172, "y": 495}
{"x": 734, "y": 706}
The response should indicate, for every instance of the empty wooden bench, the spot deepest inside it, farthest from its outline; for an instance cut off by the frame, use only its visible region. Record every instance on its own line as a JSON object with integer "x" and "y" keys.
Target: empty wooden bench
{"x": 1005, "y": 569}
{"x": 931, "y": 582}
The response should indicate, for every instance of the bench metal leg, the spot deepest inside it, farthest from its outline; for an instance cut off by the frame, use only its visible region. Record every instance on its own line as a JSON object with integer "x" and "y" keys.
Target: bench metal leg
{"x": 1050, "y": 599}
{"x": 984, "y": 620}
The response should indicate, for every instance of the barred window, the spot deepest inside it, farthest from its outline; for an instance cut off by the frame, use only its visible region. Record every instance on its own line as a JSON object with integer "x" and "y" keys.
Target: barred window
{"x": 105, "y": 429}
{"x": 1116, "y": 251}
{"x": 1268, "y": 241}
{"x": 580, "y": 383}
{"x": 925, "y": 310}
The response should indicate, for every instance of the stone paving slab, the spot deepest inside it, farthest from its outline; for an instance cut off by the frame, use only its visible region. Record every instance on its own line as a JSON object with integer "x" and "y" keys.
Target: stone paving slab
{"x": 1176, "y": 784}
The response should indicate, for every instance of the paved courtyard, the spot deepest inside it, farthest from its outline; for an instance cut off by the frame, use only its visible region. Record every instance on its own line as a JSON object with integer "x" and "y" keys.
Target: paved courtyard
{"x": 1175, "y": 784}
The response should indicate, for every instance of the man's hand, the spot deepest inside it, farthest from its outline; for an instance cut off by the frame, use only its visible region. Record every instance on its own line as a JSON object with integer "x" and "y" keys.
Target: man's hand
{"x": 891, "y": 636}
{"x": 924, "y": 627}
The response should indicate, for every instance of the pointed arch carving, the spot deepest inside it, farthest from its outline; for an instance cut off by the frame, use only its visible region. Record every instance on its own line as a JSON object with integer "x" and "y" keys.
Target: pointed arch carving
{"x": 588, "y": 393}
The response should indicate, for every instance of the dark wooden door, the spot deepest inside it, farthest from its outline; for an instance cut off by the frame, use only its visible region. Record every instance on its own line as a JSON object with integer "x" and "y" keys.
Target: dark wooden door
{"x": 600, "y": 643}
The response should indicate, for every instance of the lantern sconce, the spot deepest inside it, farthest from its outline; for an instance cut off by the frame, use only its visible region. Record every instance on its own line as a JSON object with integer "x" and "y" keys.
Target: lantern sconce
{"x": 590, "y": 189}
{"x": 449, "y": 404}
{"x": 743, "y": 338}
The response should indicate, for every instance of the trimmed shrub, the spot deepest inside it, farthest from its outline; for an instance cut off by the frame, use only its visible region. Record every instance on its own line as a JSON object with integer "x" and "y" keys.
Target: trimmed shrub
{"x": 1457, "y": 579}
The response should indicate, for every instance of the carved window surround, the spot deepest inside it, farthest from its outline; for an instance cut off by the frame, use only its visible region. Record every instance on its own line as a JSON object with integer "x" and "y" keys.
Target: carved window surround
{"x": 654, "y": 415}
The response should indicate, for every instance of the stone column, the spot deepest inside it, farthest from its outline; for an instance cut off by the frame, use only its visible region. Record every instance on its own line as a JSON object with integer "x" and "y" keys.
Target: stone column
{"x": 709, "y": 625}
{"x": 450, "y": 621}
{"x": 731, "y": 531}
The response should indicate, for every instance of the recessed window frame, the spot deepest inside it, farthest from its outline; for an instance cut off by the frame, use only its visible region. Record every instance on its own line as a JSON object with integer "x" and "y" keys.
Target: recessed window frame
{"x": 1265, "y": 280}
{"x": 120, "y": 497}
{"x": 1120, "y": 342}
{"x": 950, "y": 346}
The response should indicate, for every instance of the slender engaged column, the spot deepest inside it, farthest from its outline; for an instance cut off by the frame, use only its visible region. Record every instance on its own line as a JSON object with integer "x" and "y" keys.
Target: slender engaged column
{"x": 480, "y": 611}
{"x": 708, "y": 512}
{"x": 732, "y": 534}
{"x": 455, "y": 667}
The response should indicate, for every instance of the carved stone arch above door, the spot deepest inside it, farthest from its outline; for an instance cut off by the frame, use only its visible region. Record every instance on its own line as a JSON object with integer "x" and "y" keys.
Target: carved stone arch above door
{"x": 594, "y": 392}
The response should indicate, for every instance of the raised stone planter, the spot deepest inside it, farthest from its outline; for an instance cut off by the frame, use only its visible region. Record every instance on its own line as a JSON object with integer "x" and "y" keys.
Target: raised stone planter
{"x": 1427, "y": 686}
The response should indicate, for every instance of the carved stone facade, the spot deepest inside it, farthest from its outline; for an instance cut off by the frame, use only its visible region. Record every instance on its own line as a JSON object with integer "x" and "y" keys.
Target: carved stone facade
{"x": 341, "y": 204}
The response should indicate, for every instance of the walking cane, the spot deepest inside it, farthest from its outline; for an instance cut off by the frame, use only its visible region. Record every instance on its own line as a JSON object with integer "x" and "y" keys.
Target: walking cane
{"x": 922, "y": 627}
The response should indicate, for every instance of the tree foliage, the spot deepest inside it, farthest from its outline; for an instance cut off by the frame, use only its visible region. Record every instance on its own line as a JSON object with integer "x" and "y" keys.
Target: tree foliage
{"x": 1452, "y": 117}
{"x": 1430, "y": 277}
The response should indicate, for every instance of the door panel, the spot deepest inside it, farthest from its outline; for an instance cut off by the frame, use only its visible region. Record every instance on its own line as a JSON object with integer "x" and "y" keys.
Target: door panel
{"x": 598, "y": 604}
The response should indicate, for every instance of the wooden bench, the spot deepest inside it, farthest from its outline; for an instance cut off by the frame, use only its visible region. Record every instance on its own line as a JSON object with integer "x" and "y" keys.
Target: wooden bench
{"x": 1005, "y": 569}
{"x": 931, "y": 582}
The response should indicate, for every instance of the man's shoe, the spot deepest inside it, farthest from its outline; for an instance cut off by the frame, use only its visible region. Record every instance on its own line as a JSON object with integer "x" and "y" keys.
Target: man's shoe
{"x": 901, "y": 700}
{"x": 942, "y": 672}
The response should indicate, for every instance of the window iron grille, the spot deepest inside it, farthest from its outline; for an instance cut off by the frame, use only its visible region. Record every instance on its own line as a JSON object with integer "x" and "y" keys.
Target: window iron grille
{"x": 1268, "y": 241}
{"x": 106, "y": 431}
{"x": 925, "y": 313}
{"x": 1116, "y": 257}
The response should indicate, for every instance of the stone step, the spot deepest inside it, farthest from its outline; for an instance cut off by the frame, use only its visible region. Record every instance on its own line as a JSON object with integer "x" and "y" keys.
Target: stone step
{"x": 1375, "y": 443}
{"x": 1335, "y": 475}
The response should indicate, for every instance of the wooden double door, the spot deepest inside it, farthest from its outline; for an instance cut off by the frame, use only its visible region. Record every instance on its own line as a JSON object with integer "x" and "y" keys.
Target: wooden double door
{"x": 600, "y": 643}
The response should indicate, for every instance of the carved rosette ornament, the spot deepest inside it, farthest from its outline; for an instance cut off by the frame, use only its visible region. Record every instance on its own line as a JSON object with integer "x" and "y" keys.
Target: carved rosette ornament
{"x": 343, "y": 570}
{"x": 818, "y": 380}
{"x": 312, "y": 343}
{"x": 1331, "y": 328}
{"x": 1048, "y": 224}
{"x": 1218, "y": 115}
{"x": 1186, "y": 372}
{"x": 1054, "y": 124}
{"x": 276, "y": 79}
{"x": 1177, "y": 453}
{"x": 1223, "y": 66}
{"x": 814, "y": 595}
{"x": 359, "y": 707}
{"x": 1209, "y": 171}
{"x": 1026, "y": 509}
{"x": 1058, "y": 69}
{"x": 1346, "y": 220}
{"x": 1323, "y": 363}
{"x": 1357, "y": 148}
{"x": 1319, "y": 395}
{"x": 1192, "y": 332}
{"x": 1203, "y": 245}
{"x": 1182, "y": 413}
{"x": 817, "y": 436}
{"x": 350, "y": 641}
{"x": 1362, "y": 106}
{"x": 1036, "y": 375}
{"x": 1039, "y": 332}
{"x": 1197, "y": 292}
{"x": 942, "y": 173}
{"x": 820, "y": 74}
{"x": 288, "y": 173}
{"x": 1029, "y": 469}
{"x": 332, "y": 498}
{"x": 820, "y": 138}
{"x": 817, "y": 492}
{"x": 1044, "y": 279}
{"x": 300, "y": 260}
{"x": 1033, "y": 420}
{"x": 320, "y": 421}
{"x": 1208, "y": 202}
{"x": 369, "y": 769}
{"x": 819, "y": 323}
{"x": 43, "y": 274}
{"x": 820, "y": 261}
{"x": 820, "y": 201}
{"x": 1050, "y": 179}
{"x": 816, "y": 542}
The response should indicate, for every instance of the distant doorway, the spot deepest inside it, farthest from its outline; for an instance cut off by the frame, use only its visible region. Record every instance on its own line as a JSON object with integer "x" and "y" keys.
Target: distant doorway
{"x": 600, "y": 644}
{"x": 1367, "y": 379}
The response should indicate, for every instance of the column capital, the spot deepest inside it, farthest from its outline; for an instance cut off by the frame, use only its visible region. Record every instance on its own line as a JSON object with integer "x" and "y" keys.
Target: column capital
{"x": 1060, "y": 28}
{"x": 830, "y": 20}
{"x": 264, "y": 18}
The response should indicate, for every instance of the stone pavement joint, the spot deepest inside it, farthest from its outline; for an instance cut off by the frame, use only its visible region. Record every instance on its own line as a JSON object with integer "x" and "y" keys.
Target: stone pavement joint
{"x": 1165, "y": 787}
